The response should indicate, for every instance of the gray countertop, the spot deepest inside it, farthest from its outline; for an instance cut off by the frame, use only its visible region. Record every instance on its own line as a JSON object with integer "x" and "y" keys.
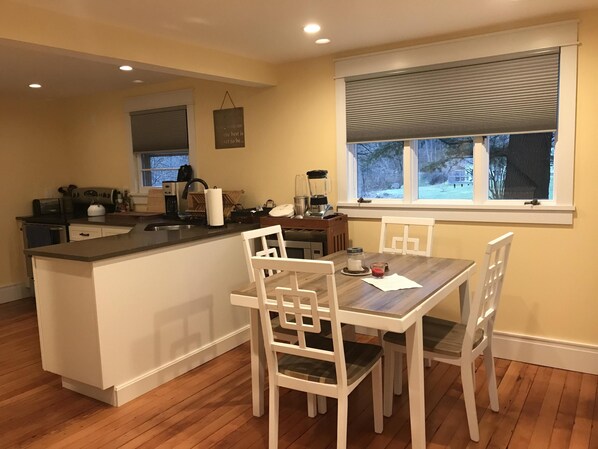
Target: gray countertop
{"x": 137, "y": 240}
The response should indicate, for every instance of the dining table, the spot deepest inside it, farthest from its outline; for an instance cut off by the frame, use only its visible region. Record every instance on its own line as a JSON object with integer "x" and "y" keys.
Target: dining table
{"x": 364, "y": 305}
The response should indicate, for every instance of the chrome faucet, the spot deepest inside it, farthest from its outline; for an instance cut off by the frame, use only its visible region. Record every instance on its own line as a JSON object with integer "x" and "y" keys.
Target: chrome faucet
{"x": 191, "y": 181}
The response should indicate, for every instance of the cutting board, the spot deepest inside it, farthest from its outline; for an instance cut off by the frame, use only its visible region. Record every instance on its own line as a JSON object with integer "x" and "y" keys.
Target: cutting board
{"x": 155, "y": 201}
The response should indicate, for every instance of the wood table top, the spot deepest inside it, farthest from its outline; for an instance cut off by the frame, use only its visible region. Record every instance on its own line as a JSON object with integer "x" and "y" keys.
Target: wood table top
{"x": 432, "y": 273}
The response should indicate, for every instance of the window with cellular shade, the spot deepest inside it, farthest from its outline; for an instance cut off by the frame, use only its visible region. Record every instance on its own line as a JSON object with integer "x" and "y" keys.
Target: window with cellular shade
{"x": 507, "y": 96}
{"x": 160, "y": 129}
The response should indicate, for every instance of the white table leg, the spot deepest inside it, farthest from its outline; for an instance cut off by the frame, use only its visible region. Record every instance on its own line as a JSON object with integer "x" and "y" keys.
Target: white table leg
{"x": 415, "y": 373}
{"x": 258, "y": 361}
{"x": 464, "y": 301}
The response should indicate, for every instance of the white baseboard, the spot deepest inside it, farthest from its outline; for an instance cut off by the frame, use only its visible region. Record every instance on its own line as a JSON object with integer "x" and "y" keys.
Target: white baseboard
{"x": 123, "y": 393}
{"x": 547, "y": 352}
{"x": 14, "y": 292}
{"x": 538, "y": 351}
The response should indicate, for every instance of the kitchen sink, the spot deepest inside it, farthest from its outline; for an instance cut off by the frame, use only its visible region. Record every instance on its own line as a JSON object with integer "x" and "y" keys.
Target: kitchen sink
{"x": 169, "y": 227}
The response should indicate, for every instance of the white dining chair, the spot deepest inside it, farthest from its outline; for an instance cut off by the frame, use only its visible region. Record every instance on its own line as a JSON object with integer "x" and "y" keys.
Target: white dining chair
{"x": 404, "y": 242}
{"x": 327, "y": 367}
{"x": 461, "y": 343}
{"x": 401, "y": 235}
{"x": 255, "y": 243}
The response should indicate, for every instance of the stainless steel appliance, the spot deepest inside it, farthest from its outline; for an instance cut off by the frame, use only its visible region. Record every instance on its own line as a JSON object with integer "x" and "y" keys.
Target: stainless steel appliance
{"x": 49, "y": 223}
{"x": 83, "y": 197}
{"x": 302, "y": 244}
{"x": 47, "y": 206}
{"x": 41, "y": 234}
{"x": 47, "y": 226}
{"x": 319, "y": 189}
{"x": 174, "y": 203}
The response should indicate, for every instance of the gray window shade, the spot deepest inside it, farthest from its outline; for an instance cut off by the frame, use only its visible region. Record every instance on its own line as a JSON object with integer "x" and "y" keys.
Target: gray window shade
{"x": 160, "y": 129}
{"x": 498, "y": 97}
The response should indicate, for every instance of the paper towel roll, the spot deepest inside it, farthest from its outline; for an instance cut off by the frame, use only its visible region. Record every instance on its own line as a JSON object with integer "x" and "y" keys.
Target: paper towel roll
{"x": 214, "y": 208}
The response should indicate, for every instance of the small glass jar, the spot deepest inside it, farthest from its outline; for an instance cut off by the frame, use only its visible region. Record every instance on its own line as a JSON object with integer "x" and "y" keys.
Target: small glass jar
{"x": 355, "y": 259}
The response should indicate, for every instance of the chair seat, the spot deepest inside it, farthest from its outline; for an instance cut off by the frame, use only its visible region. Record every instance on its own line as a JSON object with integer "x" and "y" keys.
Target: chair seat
{"x": 359, "y": 358}
{"x": 440, "y": 336}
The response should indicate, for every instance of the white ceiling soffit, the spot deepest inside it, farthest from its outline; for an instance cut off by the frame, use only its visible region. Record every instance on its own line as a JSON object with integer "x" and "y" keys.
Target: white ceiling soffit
{"x": 262, "y": 30}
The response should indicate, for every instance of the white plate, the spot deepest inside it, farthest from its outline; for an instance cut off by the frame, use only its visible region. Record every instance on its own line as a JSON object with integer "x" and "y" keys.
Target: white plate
{"x": 364, "y": 272}
{"x": 284, "y": 210}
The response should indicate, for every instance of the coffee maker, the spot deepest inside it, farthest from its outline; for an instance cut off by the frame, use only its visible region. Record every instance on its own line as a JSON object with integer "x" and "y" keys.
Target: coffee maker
{"x": 318, "y": 188}
{"x": 174, "y": 203}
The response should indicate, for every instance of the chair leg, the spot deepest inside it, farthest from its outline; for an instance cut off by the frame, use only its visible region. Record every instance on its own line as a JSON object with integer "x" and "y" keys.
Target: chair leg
{"x": 322, "y": 405}
{"x": 273, "y": 417}
{"x": 349, "y": 333}
{"x": 469, "y": 397}
{"x": 377, "y": 397}
{"x": 343, "y": 412}
{"x": 389, "y": 373}
{"x": 312, "y": 407}
{"x": 491, "y": 378}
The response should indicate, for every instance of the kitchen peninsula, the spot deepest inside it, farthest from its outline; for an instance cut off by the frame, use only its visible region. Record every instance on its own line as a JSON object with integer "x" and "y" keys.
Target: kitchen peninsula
{"x": 120, "y": 315}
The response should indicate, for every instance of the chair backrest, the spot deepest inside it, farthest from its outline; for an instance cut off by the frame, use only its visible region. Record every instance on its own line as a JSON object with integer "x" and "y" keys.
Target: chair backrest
{"x": 487, "y": 295}
{"x": 404, "y": 243}
{"x": 298, "y": 310}
{"x": 259, "y": 237}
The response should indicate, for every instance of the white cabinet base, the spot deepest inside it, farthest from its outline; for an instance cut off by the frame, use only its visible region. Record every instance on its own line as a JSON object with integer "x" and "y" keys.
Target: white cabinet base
{"x": 117, "y": 328}
{"x": 121, "y": 394}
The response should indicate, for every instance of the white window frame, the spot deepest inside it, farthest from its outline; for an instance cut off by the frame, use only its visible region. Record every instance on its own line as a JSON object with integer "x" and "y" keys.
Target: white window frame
{"x": 559, "y": 210}
{"x": 157, "y": 101}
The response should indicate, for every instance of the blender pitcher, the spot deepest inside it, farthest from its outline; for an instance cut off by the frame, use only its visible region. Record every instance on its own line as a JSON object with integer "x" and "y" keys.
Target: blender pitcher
{"x": 301, "y": 195}
{"x": 319, "y": 189}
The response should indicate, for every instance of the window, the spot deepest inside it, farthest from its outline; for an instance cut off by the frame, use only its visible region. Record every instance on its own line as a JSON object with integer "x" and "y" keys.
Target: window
{"x": 161, "y": 130}
{"x": 424, "y": 131}
{"x": 157, "y": 167}
{"x": 161, "y": 143}
{"x": 520, "y": 167}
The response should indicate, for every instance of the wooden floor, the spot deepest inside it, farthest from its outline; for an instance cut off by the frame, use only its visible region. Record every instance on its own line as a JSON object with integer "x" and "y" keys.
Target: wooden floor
{"x": 211, "y": 407}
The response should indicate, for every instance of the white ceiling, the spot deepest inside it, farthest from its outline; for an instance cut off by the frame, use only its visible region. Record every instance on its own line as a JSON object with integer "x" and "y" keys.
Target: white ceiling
{"x": 267, "y": 30}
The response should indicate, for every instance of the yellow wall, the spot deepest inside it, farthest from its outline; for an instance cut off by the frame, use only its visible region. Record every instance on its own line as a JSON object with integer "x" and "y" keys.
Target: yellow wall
{"x": 552, "y": 281}
{"x": 34, "y": 164}
{"x": 290, "y": 128}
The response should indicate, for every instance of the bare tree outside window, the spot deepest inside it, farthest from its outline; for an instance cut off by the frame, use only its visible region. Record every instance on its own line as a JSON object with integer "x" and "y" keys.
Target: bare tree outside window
{"x": 159, "y": 167}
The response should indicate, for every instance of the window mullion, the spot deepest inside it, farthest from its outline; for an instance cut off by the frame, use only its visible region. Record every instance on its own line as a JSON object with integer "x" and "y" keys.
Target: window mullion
{"x": 481, "y": 161}
{"x": 410, "y": 171}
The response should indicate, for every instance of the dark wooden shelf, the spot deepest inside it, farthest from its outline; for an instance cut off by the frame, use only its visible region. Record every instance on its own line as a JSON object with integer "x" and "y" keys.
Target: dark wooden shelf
{"x": 335, "y": 228}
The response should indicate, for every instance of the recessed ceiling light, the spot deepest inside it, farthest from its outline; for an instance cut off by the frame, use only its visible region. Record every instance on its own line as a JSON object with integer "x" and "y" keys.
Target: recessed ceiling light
{"x": 323, "y": 41}
{"x": 126, "y": 68}
{"x": 35, "y": 85}
{"x": 311, "y": 28}
{"x": 138, "y": 81}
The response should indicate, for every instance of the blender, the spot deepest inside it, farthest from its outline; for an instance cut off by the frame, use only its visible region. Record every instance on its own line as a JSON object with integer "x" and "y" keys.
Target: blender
{"x": 301, "y": 195}
{"x": 319, "y": 189}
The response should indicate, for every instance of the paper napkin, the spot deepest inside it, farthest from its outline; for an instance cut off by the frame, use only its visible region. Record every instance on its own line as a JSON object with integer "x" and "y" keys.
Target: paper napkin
{"x": 392, "y": 282}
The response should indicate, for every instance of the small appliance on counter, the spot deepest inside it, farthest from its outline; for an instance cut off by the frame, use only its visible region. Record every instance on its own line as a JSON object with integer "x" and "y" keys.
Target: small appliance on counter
{"x": 174, "y": 203}
{"x": 98, "y": 197}
{"x": 319, "y": 189}
{"x": 282, "y": 211}
{"x": 47, "y": 206}
{"x": 96, "y": 210}
{"x": 301, "y": 199}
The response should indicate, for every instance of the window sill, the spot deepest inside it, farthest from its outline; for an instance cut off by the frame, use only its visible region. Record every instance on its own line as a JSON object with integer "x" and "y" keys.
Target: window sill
{"x": 529, "y": 214}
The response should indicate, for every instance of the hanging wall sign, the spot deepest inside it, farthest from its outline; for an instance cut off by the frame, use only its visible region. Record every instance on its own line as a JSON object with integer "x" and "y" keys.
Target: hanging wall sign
{"x": 229, "y": 127}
